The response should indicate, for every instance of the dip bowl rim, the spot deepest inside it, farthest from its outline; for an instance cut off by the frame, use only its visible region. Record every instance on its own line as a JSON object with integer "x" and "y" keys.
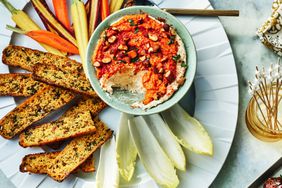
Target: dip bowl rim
{"x": 191, "y": 60}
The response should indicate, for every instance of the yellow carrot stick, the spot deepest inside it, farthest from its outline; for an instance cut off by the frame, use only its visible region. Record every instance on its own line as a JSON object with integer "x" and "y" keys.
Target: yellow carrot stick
{"x": 112, "y": 5}
{"x": 79, "y": 19}
{"x": 117, "y": 5}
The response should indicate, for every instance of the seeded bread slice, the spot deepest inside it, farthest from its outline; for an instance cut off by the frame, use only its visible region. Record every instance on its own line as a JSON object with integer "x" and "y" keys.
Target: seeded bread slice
{"x": 37, "y": 163}
{"x": 62, "y": 129}
{"x": 77, "y": 151}
{"x": 33, "y": 109}
{"x": 63, "y": 72}
{"x": 75, "y": 122}
{"x": 20, "y": 85}
{"x": 60, "y": 77}
{"x": 26, "y": 58}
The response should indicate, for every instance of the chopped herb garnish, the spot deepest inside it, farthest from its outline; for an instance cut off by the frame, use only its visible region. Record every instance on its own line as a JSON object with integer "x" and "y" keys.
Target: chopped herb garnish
{"x": 136, "y": 30}
{"x": 15, "y": 119}
{"x": 33, "y": 90}
{"x": 121, "y": 61}
{"x": 133, "y": 60}
{"x": 131, "y": 22}
{"x": 115, "y": 58}
{"x": 176, "y": 57}
{"x": 171, "y": 39}
{"x": 183, "y": 64}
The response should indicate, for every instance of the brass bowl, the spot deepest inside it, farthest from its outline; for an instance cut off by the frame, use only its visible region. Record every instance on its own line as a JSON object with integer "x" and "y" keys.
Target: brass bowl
{"x": 258, "y": 127}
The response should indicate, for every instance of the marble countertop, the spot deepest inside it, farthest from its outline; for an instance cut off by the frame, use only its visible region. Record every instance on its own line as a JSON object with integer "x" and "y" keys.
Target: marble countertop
{"x": 248, "y": 157}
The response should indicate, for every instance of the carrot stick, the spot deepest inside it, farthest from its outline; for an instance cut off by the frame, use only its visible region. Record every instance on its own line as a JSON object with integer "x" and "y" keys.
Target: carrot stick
{"x": 61, "y": 11}
{"x": 53, "y": 40}
{"x": 105, "y": 9}
{"x": 49, "y": 38}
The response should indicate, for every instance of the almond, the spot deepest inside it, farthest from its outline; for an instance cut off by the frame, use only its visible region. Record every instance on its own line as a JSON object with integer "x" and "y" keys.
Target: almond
{"x": 106, "y": 60}
{"x": 163, "y": 59}
{"x": 112, "y": 39}
{"x": 122, "y": 47}
{"x": 150, "y": 50}
{"x": 167, "y": 74}
{"x": 97, "y": 64}
{"x": 161, "y": 70}
{"x": 153, "y": 37}
{"x": 142, "y": 58}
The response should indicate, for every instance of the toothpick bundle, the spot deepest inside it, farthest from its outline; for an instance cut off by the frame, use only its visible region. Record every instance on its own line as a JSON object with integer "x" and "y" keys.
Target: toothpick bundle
{"x": 262, "y": 115}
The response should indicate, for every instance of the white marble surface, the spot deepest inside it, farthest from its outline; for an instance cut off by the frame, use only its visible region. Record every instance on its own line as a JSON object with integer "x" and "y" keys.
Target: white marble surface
{"x": 248, "y": 157}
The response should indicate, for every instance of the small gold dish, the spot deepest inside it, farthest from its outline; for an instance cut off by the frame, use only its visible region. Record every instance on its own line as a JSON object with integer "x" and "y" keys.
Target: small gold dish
{"x": 263, "y": 115}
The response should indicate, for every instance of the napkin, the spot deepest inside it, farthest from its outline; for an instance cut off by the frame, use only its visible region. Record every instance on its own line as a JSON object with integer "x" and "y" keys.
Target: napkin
{"x": 270, "y": 32}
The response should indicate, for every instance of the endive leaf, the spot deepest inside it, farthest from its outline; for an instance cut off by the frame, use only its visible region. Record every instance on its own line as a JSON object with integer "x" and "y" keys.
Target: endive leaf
{"x": 189, "y": 131}
{"x": 167, "y": 140}
{"x": 107, "y": 173}
{"x": 126, "y": 150}
{"x": 154, "y": 159}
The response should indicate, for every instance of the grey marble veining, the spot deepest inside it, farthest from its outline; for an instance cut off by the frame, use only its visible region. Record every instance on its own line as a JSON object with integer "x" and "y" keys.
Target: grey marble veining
{"x": 248, "y": 157}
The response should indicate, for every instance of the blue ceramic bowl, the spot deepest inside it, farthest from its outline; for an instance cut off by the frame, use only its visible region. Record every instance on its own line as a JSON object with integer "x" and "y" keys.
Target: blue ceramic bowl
{"x": 121, "y": 100}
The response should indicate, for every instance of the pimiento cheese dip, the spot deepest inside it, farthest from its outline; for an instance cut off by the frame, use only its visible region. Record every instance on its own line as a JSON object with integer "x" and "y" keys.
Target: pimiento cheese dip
{"x": 141, "y": 54}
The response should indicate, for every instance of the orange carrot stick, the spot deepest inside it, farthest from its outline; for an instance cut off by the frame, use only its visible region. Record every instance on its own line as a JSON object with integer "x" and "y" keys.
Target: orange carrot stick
{"x": 105, "y": 9}
{"x": 49, "y": 38}
{"x": 61, "y": 11}
{"x": 53, "y": 40}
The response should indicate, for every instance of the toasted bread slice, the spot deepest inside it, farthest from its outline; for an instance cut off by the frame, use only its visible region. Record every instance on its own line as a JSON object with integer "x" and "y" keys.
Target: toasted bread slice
{"x": 37, "y": 163}
{"x": 26, "y": 58}
{"x": 77, "y": 151}
{"x": 67, "y": 127}
{"x": 19, "y": 85}
{"x": 58, "y": 76}
{"x": 75, "y": 122}
{"x": 61, "y": 71}
{"x": 33, "y": 109}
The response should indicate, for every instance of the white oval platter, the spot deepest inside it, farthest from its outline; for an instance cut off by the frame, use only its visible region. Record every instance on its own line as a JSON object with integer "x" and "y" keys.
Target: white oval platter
{"x": 215, "y": 103}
